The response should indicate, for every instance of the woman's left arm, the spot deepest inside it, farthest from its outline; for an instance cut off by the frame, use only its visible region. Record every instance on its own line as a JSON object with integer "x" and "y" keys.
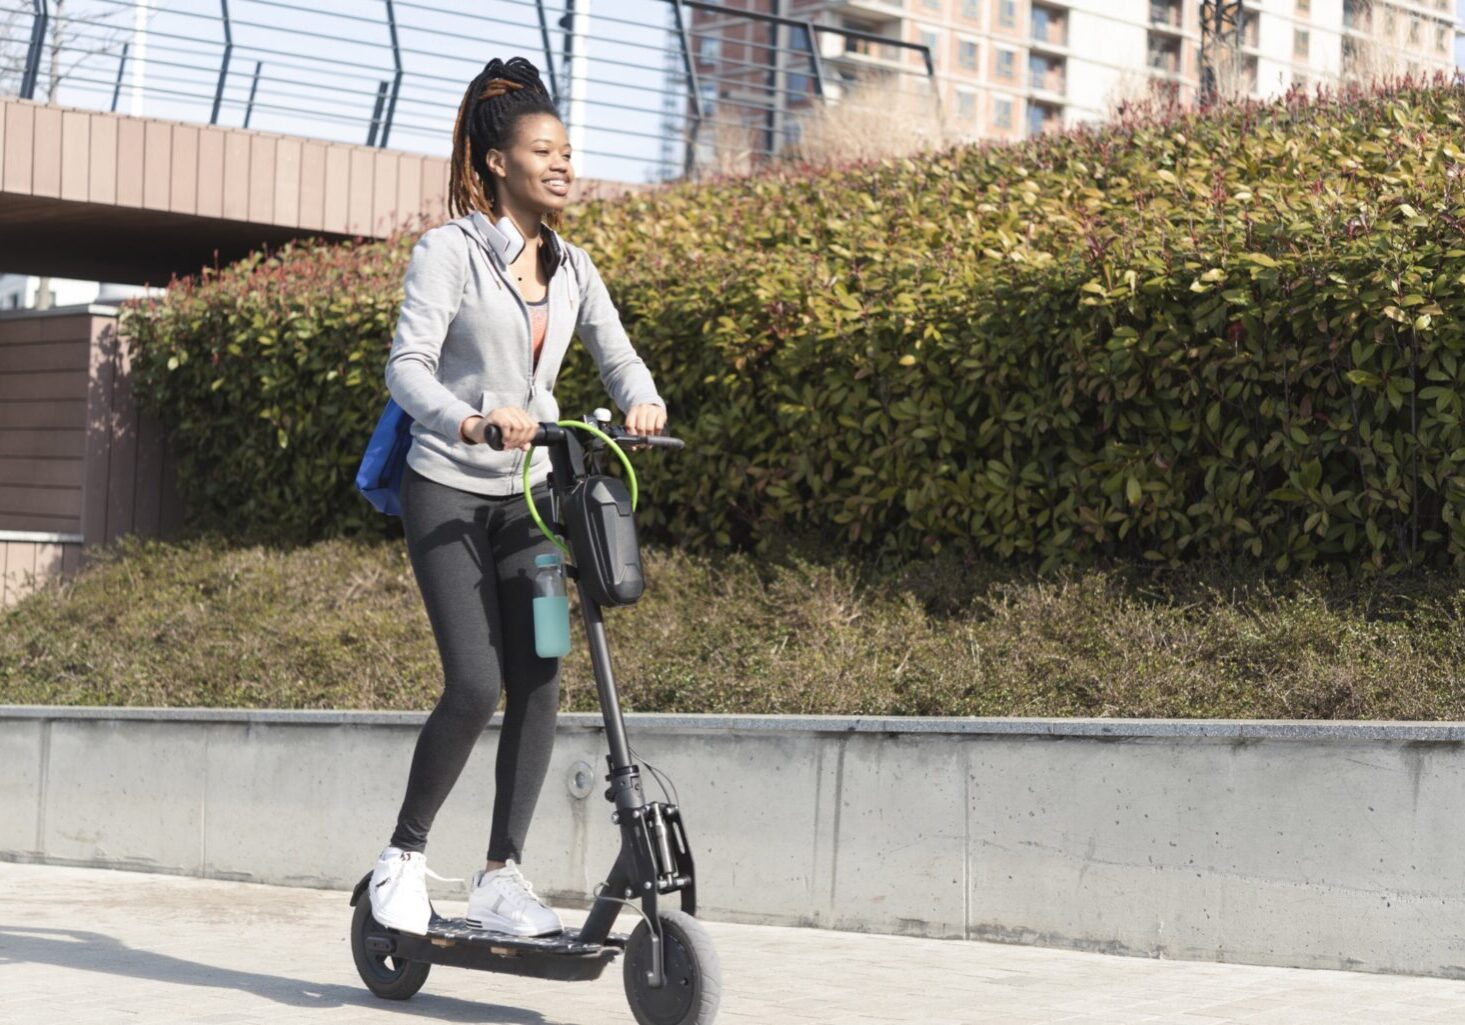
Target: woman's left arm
{"x": 622, "y": 372}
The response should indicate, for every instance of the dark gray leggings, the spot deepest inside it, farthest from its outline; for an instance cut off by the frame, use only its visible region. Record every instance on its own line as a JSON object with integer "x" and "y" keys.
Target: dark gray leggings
{"x": 473, "y": 556}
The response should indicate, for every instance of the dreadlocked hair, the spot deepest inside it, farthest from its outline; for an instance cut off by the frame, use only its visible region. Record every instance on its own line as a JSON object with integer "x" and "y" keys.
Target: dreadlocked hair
{"x": 496, "y": 99}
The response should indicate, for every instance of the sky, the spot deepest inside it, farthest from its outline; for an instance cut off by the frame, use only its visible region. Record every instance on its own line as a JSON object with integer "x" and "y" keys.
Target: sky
{"x": 321, "y": 62}
{"x": 1460, "y": 43}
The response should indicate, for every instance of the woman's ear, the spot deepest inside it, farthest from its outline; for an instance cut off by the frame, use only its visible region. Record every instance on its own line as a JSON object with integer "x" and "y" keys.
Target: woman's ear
{"x": 497, "y": 166}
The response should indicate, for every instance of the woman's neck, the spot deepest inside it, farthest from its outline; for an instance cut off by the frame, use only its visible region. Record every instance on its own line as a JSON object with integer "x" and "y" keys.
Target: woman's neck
{"x": 527, "y": 223}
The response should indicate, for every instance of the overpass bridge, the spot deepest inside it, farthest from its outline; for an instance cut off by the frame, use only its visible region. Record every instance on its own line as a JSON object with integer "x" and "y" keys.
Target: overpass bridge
{"x": 94, "y": 194}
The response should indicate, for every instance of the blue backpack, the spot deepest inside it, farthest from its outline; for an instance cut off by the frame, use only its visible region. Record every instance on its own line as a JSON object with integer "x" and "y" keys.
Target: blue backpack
{"x": 380, "y": 476}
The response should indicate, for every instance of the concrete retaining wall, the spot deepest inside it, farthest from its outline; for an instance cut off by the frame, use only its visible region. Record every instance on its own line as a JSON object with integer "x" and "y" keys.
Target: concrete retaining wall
{"x": 1313, "y": 845}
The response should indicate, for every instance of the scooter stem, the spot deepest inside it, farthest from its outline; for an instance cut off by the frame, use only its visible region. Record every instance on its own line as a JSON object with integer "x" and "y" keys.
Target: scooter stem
{"x": 610, "y": 705}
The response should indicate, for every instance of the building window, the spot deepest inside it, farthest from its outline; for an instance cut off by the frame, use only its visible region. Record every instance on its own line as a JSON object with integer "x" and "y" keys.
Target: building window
{"x": 1164, "y": 53}
{"x": 1006, "y": 62}
{"x": 1441, "y": 38}
{"x": 1165, "y": 12}
{"x": 1042, "y": 117}
{"x": 798, "y": 81}
{"x": 1049, "y": 26}
{"x": 1002, "y": 113}
{"x": 971, "y": 9}
{"x": 1304, "y": 8}
{"x": 1250, "y": 28}
{"x": 966, "y": 104}
{"x": 931, "y": 40}
{"x": 709, "y": 49}
{"x": 966, "y": 54}
{"x": 1301, "y": 43}
{"x": 1045, "y": 73}
{"x": 1007, "y": 13}
{"x": 1414, "y": 31}
{"x": 934, "y": 5}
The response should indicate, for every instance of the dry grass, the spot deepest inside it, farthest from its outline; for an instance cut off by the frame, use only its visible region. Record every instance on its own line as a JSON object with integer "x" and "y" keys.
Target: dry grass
{"x": 340, "y": 624}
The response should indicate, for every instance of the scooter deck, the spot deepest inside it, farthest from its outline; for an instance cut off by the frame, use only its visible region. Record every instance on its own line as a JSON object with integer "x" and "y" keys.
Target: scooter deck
{"x": 568, "y": 942}
{"x": 452, "y": 941}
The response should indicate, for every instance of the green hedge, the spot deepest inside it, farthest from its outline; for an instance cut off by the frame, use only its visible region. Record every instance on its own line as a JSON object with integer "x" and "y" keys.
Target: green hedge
{"x": 1225, "y": 334}
{"x": 268, "y": 376}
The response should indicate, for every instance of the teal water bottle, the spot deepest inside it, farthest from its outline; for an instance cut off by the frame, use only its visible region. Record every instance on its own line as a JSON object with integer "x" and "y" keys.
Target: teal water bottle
{"x": 551, "y": 608}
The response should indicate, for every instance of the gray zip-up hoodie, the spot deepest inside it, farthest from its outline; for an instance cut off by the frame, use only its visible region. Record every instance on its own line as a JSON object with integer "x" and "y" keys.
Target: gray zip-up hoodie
{"x": 463, "y": 346}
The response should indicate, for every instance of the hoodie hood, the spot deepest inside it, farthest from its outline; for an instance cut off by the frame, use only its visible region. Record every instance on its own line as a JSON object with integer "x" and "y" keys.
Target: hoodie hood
{"x": 504, "y": 240}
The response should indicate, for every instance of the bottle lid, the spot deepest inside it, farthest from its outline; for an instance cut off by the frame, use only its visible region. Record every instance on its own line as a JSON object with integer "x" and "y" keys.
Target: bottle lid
{"x": 547, "y": 560}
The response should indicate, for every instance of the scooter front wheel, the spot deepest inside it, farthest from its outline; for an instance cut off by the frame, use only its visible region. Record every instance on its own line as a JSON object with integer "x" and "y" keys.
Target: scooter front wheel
{"x": 389, "y": 977}
{"x": 693, "y": 984}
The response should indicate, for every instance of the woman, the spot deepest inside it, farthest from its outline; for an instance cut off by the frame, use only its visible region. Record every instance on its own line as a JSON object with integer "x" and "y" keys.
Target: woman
{"x": 491, "y": 302}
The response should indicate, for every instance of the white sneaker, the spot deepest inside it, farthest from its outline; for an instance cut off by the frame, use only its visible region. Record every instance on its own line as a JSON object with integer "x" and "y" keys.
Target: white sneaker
{"x": 503, "y": 901}
{"x": 398, "y": 890}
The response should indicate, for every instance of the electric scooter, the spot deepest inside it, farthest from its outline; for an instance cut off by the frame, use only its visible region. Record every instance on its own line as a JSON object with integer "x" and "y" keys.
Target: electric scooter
{"x": 670, "y": 966}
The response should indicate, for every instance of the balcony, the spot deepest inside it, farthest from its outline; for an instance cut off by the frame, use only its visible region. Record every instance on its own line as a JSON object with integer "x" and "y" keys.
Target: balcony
{"x": 1163, "y": 54}
{"x": 1044, "y": 117}
{"x": 1250, "y": 30}
{"x": 1049, "y": 28}
{"x": 1167, "y": 16}
{"x": 1357, "y": 16}
{"x": 870, "y": 10}
{"x": 1047, "y": 75}
{"x": 866, "y": 53}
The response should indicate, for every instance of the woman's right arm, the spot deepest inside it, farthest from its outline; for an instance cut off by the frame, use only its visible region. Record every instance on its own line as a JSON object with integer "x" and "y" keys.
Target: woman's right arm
{"x": 433, "y": 288}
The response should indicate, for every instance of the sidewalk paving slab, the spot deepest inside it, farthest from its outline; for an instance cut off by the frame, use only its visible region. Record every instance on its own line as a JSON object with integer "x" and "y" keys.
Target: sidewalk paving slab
{"x": 81, "y": 946}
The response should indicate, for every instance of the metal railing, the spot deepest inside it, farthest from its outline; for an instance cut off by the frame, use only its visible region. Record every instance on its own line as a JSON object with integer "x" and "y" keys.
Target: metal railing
{"x": 657, "y": 90}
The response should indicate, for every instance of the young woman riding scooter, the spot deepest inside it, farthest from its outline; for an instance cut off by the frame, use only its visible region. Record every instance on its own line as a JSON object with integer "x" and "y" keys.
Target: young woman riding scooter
{"x": 492, "y": 300}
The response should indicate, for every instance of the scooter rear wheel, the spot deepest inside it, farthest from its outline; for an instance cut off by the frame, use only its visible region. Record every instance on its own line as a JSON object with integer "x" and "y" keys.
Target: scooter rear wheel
{"x": 389, "y": 977}
{"x": 693, "y": 985}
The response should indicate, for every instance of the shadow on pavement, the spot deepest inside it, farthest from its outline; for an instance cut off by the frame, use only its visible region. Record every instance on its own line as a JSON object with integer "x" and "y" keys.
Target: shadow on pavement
{"x": 94, "y": 952}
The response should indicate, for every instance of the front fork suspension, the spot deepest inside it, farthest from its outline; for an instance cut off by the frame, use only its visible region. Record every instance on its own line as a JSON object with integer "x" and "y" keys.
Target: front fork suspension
{"x": 655, "y": 858}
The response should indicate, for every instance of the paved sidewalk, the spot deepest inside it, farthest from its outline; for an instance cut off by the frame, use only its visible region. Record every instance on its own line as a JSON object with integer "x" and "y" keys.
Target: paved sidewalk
{"x": 80, "y": 946}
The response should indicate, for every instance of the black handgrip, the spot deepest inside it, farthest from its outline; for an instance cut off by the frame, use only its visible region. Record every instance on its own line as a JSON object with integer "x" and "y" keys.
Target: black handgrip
{"x": 547, "y": 434}
{"x": 652, "y": 441}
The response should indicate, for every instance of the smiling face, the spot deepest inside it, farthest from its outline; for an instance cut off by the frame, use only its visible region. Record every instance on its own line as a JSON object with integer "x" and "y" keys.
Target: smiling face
{"x": 533, "y": 174}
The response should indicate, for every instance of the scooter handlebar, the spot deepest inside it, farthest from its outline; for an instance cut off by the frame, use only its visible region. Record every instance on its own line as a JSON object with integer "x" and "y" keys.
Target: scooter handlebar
{"x": 551, "y": 434}
{"x": 650, "y": 441}
{"x": 548, "y": 434}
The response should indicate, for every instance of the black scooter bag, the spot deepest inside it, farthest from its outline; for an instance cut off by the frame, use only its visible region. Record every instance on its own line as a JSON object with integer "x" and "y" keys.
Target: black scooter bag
{"x": 603, "y": 534}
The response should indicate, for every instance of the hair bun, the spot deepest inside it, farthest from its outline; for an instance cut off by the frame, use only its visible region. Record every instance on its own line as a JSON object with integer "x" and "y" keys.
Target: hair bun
{"x": 510, "y": 76}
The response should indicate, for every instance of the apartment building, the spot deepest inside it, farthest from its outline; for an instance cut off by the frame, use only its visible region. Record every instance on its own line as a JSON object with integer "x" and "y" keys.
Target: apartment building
{"x": 1012, "y": 68}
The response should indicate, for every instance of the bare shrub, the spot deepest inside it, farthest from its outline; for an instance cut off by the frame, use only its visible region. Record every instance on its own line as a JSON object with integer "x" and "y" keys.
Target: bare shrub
{"x": 875, "y": 118}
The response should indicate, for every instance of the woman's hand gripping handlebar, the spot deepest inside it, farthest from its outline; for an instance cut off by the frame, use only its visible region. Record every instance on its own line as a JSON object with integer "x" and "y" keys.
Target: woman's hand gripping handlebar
{"x": 553, "y": 434}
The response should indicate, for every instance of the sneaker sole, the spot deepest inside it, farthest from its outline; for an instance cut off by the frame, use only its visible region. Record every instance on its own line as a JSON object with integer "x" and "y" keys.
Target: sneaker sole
{"x": 509, "y": 929}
